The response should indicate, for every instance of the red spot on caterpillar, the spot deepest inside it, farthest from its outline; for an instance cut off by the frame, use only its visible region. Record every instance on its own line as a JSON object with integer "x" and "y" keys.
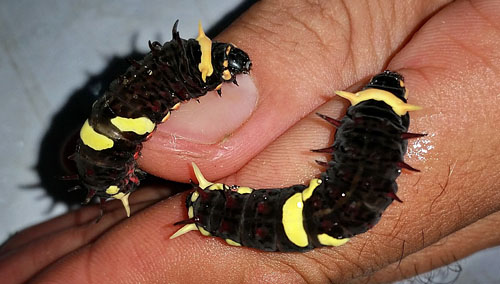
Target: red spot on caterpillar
{"x": 136, "y": 155}
{"x": 134, "y": 179}
{"x": 69, "y": 177}
{"x": 261, "y": 232}
{"x": 326, "y": 225}
{"x": 230, "y": 201}
{"x": 225, "y": 226}
{"x": 262, "y": 208}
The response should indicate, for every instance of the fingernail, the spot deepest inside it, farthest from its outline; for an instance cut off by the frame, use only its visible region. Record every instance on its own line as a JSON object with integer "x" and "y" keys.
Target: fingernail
{"x": 214, "y": 117}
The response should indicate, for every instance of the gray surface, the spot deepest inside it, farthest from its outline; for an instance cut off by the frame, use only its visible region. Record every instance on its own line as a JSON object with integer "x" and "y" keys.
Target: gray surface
{"x": 47, "y": 51}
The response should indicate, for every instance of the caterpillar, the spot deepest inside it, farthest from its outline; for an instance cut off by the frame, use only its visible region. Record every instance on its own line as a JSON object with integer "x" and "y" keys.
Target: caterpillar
{"x": 128, "y": 113}
{"x": 348, "y": 199}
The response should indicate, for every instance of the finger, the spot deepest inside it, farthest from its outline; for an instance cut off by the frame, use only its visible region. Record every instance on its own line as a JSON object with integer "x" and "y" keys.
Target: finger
{"x": 85, "y": 215}
{"x": 142, "y": 251}
{"x": 301, "y": 53}
{"x": 450, "y": 71}
{"x": 22, "y": 259}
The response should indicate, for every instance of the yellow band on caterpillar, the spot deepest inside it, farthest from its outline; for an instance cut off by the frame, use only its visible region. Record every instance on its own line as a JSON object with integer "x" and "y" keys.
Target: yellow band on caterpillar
{"x": 293, "y": 221}
{"x": 398, "y": 106}
{"x": 327, "y": 240}
{"x": 205, "y": 43}
{"x": 312, "y": 186}
{"x": 93, "y": 139}
{"x": 139, "y": 126}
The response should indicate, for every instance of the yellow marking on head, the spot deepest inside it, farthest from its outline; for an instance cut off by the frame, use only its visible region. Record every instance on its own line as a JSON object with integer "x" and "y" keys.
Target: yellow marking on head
{"x": 205, "y": 43}
{"x": 218, "y": 87}
{"x": 202, "y": 182}
{"x": 94, "y": 140}
{"x": 328, "y": 240}
{"x": 401, "y": 83}
{"x": 233, "y": 243}
{"x": 225, "y": 63}
{"x": 124, "y": 199}
{"x": 398, "y": 106}
{"x": 244, "y": 190}
{"x": 190, "y": 212}
{"x": 176, "y": 106}
{"x": 194, "y": 196}
{"x": 228, "y": 49}
{"x": 166, "y": 117}
{"x": 204, "y": 232}
{"x": 183, "y": 230}
{"x": 226, "y": 75}
{"x": 112, "y": 189}
{"x": 139, "y": 126}
{"x": 315, "y": 182}
{"x": 292, "y": 220}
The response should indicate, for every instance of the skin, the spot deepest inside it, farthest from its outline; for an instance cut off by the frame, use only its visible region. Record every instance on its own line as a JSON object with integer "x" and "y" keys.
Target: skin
{"x": 449, "y": 54}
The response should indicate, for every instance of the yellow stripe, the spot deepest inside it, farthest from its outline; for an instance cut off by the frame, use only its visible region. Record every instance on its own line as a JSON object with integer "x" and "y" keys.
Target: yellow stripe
{"x": 93, "y": 139}
{"x": 398, "y": 106}
{"x": 140, "y": 125}
{"x": 194, "y": 196}
{"x": 312, "y": 186}
{"x": 226, "y": 75}
{"x": 204, "y": 232}
{"x": 216, "y": 186}
{"x": 244, "y": 190}
{"x": 233, "y": 243}
{"x": 328, "y": 240}
{"x": 292, "y": 220}
{"x": 205, "y": 43}
{"x": 113, "y": 189}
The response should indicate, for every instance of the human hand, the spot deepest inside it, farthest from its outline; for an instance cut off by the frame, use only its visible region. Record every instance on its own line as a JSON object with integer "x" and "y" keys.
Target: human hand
{"x": 301, "y": 53}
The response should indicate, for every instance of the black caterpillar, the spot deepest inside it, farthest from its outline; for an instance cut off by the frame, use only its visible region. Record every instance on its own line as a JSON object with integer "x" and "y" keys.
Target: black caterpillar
{"x": 349, "y": 197}
{"x": 128, "y": 113}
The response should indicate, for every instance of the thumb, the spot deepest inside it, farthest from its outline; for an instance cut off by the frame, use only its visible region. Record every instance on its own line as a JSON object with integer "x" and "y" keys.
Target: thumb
{"x": 301, "y": 53}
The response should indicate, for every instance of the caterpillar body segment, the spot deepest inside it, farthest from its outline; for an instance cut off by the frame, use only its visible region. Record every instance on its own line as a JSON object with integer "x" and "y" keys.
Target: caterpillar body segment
{"x": 347, "y": 199}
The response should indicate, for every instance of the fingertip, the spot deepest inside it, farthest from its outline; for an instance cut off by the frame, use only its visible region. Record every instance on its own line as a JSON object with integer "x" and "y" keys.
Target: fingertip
{"x": 213, "y": 118}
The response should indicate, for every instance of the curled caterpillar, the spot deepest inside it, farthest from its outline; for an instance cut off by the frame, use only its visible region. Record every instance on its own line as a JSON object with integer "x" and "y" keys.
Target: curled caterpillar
{"x": 349, "y": 197}
{"x": 135, "y": 103}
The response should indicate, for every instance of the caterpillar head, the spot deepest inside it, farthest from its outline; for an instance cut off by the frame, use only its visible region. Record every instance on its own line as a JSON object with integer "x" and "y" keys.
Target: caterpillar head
{"x": 230, "y": 61}
{"x": 389, "y": 81}
{"x": 238, "y": 61}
